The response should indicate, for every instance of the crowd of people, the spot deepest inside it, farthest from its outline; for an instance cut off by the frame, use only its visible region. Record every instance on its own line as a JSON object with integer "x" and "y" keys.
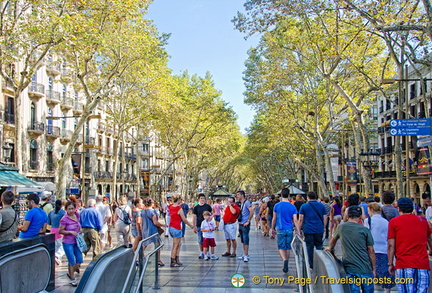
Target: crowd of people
{"x": 385, "y": 240}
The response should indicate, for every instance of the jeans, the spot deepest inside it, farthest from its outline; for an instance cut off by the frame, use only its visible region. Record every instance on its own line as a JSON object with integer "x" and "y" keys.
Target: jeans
{"x": 313, "y": 240}
{"x": 73, "y": 254}
{"x": 244, "y": 234}
{"x": 363, "y": 281}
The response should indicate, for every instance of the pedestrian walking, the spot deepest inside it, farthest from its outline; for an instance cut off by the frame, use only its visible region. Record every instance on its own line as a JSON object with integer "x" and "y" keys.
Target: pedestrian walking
{"x": 70, "y": 227}
{"x": 313, "y": 216}
{"x": 122, "y": 218}
{"x": 357, "y": 251}
{"x": 91, "y": 224}
{"x": 284, "y": 215}
{"x": 408, "y": 235}
{"x": 105, "y": 211}
{"x": 54, "y": 218}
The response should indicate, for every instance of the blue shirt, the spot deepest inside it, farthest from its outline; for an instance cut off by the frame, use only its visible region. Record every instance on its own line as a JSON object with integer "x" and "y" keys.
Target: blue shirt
{"x": 54, "y": 219}
{"x": 245, "y": 211}
{"x": 365, "y": 208}
{"x": 313, "y": 221}
{"x": 91, "y": 218}
{"x": 37, "y": 218}
{"x": 284, "y": 214}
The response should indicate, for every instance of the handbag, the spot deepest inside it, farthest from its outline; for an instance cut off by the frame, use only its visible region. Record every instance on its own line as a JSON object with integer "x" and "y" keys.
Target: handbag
{"x": 81, "y": 242}
{"x": 221, "y": 225}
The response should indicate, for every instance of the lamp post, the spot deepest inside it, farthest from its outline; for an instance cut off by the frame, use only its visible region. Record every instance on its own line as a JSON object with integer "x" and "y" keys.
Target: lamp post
{"x": 369, "y": 161}
{"x": 7, "y": 152}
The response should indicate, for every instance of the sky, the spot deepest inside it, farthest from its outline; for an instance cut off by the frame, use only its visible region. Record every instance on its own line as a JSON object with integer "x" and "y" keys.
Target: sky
{"x": 203, "y": 39}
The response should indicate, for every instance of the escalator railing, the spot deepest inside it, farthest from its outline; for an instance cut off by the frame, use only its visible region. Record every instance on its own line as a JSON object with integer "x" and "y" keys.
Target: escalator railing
{"x": 121, "y": 269}
{"x": 302, "y": 262}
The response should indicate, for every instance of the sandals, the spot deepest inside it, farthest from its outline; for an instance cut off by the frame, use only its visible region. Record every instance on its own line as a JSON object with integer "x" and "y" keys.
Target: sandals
{"x": 233, "y": 255}
{"x": 226, "y": 254}
{"x": 161, "y": 264}
{"x": 175, "y": 265}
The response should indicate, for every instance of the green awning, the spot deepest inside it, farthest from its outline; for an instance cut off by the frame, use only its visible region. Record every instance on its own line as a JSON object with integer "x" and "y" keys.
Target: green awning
{"x": 12, "y": 178}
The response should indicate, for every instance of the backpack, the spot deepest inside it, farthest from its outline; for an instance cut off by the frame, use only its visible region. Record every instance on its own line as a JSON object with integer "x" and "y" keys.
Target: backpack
{"x": 125, "y": 219}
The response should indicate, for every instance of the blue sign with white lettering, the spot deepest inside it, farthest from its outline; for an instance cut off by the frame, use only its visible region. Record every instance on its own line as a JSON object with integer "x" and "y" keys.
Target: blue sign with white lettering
{"x": 410, "y": 123}
{"x": 410, "y": 131}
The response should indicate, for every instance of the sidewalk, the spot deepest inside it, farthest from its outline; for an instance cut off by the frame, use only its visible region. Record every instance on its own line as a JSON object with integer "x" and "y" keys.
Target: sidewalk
{"x": 197, "y": 275}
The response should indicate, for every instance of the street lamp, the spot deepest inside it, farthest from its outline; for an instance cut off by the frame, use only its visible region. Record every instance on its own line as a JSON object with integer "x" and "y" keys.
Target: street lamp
{"x": 369, "y": 161}
{"x": 7, "y": 152}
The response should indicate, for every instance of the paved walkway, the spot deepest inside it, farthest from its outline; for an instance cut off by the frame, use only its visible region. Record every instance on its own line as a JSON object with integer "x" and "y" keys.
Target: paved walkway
{"x": 197, "y": 275}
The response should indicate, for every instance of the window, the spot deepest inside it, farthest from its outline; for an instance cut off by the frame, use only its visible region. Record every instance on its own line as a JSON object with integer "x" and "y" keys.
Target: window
{"x": 107, "y": 167}
{"x": 64, "y": 92}
{"x": 10, "y": 112}
{"x": 32, "y": 116}
{"x": 145, "y": 148}
{"x": 50, "y": 158}
{"x": 33, "y": 155}
{"x": 145, "y": 163}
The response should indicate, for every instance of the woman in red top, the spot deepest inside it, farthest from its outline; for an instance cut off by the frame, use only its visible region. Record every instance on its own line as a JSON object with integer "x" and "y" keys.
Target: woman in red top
{"x": 175, "y": 229}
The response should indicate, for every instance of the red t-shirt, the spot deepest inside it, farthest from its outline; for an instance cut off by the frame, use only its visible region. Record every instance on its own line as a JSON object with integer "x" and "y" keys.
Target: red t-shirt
{"x": 410, "y": 233}
{"x": 175, "y": 219}
{"x": 228, "y": 216}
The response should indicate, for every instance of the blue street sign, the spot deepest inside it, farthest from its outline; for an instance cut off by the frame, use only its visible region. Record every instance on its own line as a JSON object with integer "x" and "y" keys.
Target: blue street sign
{"x": 410, "y": 131}
{"x": 424, "y": 141}
{"x": 410, "y": 123}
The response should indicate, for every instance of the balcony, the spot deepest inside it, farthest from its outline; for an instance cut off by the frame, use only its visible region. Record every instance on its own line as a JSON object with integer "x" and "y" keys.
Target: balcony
{"x": 89, "y": 140}
{"x": 66, "y": 103}
{"x": 8, "y": 87}
{"x": 101, "y": 128}
{"x": 36, "y": 128}
{"x": 385, "y": 174}
{"x": 102, "y": 151}
{"x": 110, "y": 151}
{"x": 52, "y": 131}
{"x": 381, "y": 109}
{"x": 36, "y": 90}
{"x": 53, "y": 69}
{"x": 77, "y": 107}
{"x": 102, "y": 175}
{"x": 130, "y": 156}
{"x": 33, "y": 165}
{"x": 9, "y": 118}
{"x": 65, "y": 135}
{"x": 52, "y": 97}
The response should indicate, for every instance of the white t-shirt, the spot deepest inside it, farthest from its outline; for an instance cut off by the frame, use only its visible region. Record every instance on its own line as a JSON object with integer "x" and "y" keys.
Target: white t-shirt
{"x": 208, "y": 225}
{"x": 428, "y": 214}
{"x": 105, "y": 212}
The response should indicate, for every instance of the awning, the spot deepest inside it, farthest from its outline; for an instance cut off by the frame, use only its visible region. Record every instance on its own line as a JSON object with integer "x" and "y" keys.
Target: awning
{"x": 12, "y": 178}
{"x": 293, "y": 190}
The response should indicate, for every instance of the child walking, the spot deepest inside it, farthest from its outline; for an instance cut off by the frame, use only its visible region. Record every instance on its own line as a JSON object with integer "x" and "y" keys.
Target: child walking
{"x": 207, "y": 227}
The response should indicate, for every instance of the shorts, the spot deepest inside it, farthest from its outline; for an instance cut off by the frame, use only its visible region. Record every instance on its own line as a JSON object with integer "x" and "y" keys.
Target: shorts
{"x": 366, "y": 287}
{"x": 209, "y": 242}
{"x": 200, "y": 236}
{"x": 337, "y": 218}
{"x": 217, "y": 218}
{"x": 244, "y": 234}
{"x": 230, "y": 231}
{"x": 175, "y": 233}
{"x": 73, "y": 253}
{"x": 284, "y": 239}
{"x": 104, "y": 234}
{"x": 421, "y": 277}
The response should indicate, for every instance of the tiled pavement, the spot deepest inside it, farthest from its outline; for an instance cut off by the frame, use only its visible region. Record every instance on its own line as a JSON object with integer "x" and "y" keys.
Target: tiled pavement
{"x": 197, "y": 275}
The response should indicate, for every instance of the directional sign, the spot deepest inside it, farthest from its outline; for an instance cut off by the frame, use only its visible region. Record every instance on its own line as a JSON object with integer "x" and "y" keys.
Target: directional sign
{"x": 410, "y": 123}
{"x": 410, "y": 131}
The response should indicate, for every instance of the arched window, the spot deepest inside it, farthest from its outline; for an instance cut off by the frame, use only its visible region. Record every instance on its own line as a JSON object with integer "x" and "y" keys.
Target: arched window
{"x": 33, "y": 155}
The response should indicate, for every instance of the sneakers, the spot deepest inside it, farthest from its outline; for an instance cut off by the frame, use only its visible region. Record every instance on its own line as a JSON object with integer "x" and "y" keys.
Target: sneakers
{"x": 240, "y": 257}
{"x": 201, "y": 256}
{"x": 246, "y": 258}
{"x": 206, "y": 257}
{"x": 74, "y": 283}
{"x": 285, "y": 266}
{"x": 214, "y": 257}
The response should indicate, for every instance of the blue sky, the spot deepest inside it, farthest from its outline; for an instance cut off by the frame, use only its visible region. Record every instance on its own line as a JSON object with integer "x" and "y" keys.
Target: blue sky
{"x": 204, "y": 39}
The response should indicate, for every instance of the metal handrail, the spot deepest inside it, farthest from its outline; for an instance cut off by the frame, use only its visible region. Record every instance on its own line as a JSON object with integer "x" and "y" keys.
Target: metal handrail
{"x": 142, "y": 264}
{"x": 302, "y": 262}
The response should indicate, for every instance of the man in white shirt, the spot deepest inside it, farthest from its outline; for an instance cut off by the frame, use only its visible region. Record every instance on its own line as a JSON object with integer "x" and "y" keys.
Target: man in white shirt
{"x": 105, "y": 211}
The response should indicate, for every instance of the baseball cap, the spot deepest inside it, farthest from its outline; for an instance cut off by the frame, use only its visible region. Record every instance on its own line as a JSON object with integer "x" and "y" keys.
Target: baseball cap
{"x": 45, "y": 194}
